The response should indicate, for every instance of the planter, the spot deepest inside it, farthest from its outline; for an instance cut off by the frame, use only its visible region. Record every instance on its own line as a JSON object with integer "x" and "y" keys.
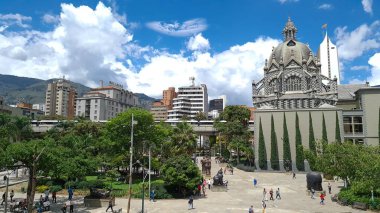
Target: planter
{"x": 359, "y": 205}
{"x": 97, "y": 202}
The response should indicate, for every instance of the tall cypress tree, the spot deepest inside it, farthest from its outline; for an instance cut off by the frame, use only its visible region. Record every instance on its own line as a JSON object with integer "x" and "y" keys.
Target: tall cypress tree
{"x": 379, "y": 126}
{"x": 299, "y": 147}
{"x": 337, "y": 129}
{"x": 324, "y": 131}
{"x": 311, "y": 135}
{"x": 262, "y": 149}
{"x": 286, "y": 145}
{"x": 274, "y": 148}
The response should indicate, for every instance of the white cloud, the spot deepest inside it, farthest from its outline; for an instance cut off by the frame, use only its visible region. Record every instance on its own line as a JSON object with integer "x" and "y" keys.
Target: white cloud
{"x": 361, "y": 67}
{"x": 88, "y": 45}
{"x": 356, "y": 81}
{"x": 287, "y": 1}
{"x": 198, "y": 43}
{"x": 367, "y": 6}
{"x": 187, "y": 28}
{"x": 353, "y": 44}
{"x": 229, "y": 72}
{"x": 374, "y": 61}
{"x": 14, "y": 19}
{"x": 325, "y": 7}
{"x": 50, "y": 19}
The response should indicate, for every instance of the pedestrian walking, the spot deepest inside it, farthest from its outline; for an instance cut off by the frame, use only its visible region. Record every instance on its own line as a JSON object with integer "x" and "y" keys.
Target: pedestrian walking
{"x": 209, "y": 184}
{"x": 64, "y": 208}
{"x": 151, "y": 197}
{"x": 191, "y": 200}
{"x": 232, "y": 170}
{"x": 265, "y": 194}
{"x": 264, "y": 205}
{"x": 294, "y": 175}
{"x": 278, "y": 196}
{"x": 250, "y": 210}
{"x": 70, "y": 191}
{"x": 312, "y": 193}
{"x": 71, "y": 206}
{"x": 199, "y": 189}
{"x": 271, "y": 194}
{"x": 322, "y": 196}
{"x": 329, "y": 187}
{"x": 110, "y": 204}
{"x": 5, "y": 179}
{"x": 12, "y": 194}
{"x": 3, "y": 199}
{"x": 54, "y": 196}
{"x": 254, "y": 182}
{"x": 46, "y": 194}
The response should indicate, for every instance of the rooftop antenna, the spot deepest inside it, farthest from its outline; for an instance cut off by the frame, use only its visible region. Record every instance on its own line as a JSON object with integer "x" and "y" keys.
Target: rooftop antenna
{"x": 192, "y": 79}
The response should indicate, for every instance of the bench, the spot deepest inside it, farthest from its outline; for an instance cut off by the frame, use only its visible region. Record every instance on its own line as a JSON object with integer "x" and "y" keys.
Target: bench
{"x": 359, "y": 205}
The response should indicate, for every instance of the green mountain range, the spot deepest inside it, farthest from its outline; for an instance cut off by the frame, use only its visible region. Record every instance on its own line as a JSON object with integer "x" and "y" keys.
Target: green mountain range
{"x": 31, "y": 90}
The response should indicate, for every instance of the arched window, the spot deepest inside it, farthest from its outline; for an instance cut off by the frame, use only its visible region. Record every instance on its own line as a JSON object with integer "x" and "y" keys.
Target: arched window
{"x": 272, "y": 86}
{"x": 293, "y": 83}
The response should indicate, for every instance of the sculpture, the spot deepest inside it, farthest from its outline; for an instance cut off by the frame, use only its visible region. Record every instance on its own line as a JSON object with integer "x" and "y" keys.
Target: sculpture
{"x": 314, "y": 180}
{"x": 206, "y": 166}
{"x": 99, "y": 193}
{"x": 218, "y": 178}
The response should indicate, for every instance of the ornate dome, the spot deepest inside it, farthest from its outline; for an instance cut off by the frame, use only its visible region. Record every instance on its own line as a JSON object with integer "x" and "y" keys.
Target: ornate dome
{"x": 290, "y": 49}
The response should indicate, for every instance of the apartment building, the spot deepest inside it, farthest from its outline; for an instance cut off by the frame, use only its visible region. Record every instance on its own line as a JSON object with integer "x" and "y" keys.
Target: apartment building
{"x": 60, "y": 99}
{"x": 190, "y": 101}
{"x": 105, "y": 102}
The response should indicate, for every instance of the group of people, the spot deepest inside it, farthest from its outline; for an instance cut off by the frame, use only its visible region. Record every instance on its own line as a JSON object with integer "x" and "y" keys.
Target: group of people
{"x": 265, "y": 194}
{"x": 69, "y": 203}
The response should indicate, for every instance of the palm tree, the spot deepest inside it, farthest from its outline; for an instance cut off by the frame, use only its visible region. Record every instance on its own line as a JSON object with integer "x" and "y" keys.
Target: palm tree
{"x": 183, "y": 139}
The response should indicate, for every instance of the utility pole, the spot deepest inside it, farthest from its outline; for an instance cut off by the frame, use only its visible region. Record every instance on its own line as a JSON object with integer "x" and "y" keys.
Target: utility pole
{"x": 149, "y": 170}
{"x": 130, "y": 165}
{"x": 143, "y": 183}
{"x": 6, "y": 194}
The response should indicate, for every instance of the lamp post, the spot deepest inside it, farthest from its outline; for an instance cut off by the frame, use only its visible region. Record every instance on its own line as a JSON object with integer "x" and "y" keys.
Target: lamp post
{"x": 130, "y": 165}
{"x": 6, "y": 193}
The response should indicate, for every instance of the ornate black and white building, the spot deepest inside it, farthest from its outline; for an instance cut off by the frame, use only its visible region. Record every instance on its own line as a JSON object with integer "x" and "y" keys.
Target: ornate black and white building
{"x": 292, "y": 77}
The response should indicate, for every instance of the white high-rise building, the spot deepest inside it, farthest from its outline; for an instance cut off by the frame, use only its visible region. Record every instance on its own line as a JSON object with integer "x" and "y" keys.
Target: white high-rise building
{"x": 328, "y": 56}
{"x": 190, "y": 101}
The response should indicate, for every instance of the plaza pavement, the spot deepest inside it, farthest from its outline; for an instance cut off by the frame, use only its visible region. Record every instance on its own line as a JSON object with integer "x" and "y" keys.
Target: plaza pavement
{"x": 240, "y": 196}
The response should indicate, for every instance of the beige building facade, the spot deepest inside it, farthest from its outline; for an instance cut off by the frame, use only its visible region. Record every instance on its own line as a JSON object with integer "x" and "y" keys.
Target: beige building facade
{"x": 303, "y": 114}
{"x": 159, "y": 111}
{"x": 60, "y": 99}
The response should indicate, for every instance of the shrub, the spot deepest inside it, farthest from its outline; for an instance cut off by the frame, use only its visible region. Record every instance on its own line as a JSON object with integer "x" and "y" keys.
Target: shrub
{"x": 245, "y": 168}
{"x": 42, "y": 188}
{"x": 70, "y": 184}
{"x": 83, "y": 185}
{"x": 55, "y": 188}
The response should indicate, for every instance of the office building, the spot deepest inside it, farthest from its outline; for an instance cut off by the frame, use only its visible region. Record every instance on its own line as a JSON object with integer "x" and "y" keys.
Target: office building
{"x": 159, "y": 111}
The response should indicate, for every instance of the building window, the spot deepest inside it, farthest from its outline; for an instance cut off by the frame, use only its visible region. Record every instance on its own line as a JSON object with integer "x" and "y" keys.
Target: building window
{"x": 353, "y": 125}
{"x": 96, "y": 101}
{"x": 96, "y": 112}
{"x": 293, "y": 83}
{"x": 95, "y": 117}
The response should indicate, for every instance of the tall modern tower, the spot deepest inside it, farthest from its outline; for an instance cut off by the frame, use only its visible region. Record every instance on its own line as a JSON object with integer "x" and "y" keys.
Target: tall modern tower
{"x": 60, "y": 99}
{"x": 328, "y": 56}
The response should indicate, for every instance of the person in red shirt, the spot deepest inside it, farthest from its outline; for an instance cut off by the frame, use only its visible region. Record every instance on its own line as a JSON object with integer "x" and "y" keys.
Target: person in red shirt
{"x": 322, "y": 196}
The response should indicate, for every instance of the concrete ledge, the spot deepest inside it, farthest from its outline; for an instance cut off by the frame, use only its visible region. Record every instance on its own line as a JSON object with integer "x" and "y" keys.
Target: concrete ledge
{"x": 96, "y": 202}
{"x": 219, "y": 189}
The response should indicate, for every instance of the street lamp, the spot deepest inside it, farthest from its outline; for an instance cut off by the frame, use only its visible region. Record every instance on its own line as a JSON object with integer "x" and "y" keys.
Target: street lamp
{"x": 133, "y": 122}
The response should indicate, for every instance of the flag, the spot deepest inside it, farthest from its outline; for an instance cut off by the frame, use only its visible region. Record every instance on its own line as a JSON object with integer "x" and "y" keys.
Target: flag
{"x": 324, "y": 26}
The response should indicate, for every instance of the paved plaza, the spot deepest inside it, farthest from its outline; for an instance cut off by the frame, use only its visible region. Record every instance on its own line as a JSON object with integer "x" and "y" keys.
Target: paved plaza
{"x": 240, "y": 196}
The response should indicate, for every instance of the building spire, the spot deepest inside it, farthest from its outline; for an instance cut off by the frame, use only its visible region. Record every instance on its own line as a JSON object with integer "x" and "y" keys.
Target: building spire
{"x": 289, "y": 31}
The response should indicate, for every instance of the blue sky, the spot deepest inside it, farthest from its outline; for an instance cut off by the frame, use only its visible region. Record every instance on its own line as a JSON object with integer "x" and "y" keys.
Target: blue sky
{"x": 149, "y": 45}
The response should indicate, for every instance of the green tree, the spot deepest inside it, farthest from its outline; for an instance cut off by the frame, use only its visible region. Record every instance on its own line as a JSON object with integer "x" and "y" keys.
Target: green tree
{"x": 183, "y": 140}
{"x": 34, "y": 155}
{"x": 311, "y": 135}
{"x": 286, "y": 145}
{"x": 262, "y": 149}
{"x": 274, "y": 148}
{"x": 337, "y": 129}
{"x": 181, "y": 174}
{"x": 379, "y": 126}
{"x": 324, "y": 130}
{"x": 235, "y": 129}
{"x": 299, "y": 147}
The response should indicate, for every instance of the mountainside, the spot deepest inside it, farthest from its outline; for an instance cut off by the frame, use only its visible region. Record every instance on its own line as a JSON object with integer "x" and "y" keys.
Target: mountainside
{"x": 32, "y": 90}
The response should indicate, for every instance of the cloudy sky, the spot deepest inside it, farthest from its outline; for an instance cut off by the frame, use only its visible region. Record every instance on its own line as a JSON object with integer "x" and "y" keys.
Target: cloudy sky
{"x": 149, "y": 45}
